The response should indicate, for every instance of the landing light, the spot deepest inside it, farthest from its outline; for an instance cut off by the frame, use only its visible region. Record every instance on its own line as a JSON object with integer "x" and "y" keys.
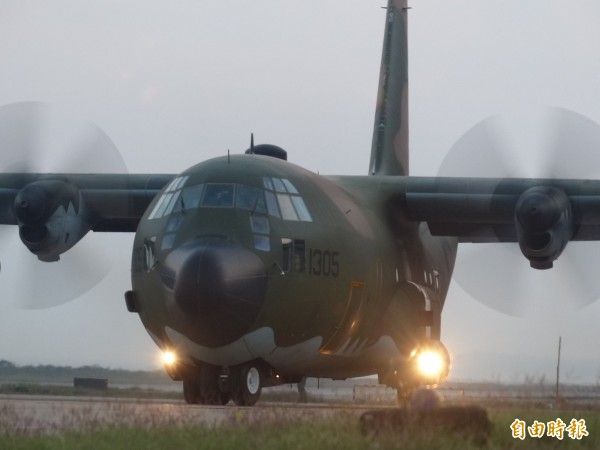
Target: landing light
{"x": 169, "y": 358}
{"x": 430, "y": 363}
{"x": 172, "y": 364}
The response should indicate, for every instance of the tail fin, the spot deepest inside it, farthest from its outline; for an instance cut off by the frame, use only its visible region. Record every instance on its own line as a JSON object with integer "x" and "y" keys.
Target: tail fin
{"x": 389, "y": 153}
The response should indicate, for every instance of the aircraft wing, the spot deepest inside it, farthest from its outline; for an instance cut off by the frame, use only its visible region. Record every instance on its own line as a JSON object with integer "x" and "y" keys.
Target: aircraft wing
{"x": 114, "y": 202}
{"x": 492, "y": 210}
{"x": 54, "y": 211}
{"x": 542, "y": 215}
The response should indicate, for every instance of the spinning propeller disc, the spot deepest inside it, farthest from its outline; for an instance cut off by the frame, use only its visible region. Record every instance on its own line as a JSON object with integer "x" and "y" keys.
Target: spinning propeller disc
{"x": 540, "y": 143}
{"x": 38, "y": 138}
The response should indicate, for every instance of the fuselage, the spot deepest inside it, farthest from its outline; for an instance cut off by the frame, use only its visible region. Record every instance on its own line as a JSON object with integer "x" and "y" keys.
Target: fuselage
{"x": 249, "y": 257}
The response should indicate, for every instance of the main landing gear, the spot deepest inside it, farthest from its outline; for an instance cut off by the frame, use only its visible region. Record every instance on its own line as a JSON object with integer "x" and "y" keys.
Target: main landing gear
{"x": 203, "y": 387}
{"x": 211, "y": 385}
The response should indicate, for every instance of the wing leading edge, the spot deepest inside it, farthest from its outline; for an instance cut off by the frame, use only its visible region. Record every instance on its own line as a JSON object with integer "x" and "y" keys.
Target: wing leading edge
{"x": 542, "y": 215}
{"x": 488, "y": 209}
{"x": 55, "y": 211}
{"x": 114, "y": 202}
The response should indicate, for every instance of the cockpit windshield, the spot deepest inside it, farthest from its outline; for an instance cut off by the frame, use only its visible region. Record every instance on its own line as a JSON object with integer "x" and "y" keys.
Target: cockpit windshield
{"x": 218, "y": 195}
{"x": 279, "y": 198}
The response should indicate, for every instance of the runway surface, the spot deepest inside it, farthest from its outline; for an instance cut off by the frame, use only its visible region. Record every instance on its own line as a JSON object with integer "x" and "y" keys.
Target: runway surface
{"x": 26, "y": 414}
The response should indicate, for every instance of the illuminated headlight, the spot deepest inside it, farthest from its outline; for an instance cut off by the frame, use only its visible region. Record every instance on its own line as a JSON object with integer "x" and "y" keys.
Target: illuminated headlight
{"x": 172, "y": 364}
{"x": 169, "y": 358}
{"x": 431, "y": 363}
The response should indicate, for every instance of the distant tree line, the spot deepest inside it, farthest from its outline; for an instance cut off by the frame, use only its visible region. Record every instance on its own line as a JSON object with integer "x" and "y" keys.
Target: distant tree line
{"x": 11, "y": 371}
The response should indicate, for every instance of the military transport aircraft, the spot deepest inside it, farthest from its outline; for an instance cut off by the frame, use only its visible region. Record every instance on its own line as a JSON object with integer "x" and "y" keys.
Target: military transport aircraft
{"x": 249, "y": 271}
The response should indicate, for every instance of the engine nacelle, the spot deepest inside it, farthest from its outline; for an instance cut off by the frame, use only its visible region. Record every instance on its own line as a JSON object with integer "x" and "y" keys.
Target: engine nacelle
{"x": 52, "y": 218}
{"x": 544, "y": 224}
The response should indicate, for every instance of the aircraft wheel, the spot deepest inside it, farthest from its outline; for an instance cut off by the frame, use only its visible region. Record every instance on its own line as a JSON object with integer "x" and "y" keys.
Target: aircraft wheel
{"x": 246, "y": 384}
{"x": 404, "y": 393}
{"x": 425, "y": 399}
{"x": 214, "y": 397}
{"x": 224, "y": 398}
{"x": 210, "y": 390}
{"x": 191, "y": 391}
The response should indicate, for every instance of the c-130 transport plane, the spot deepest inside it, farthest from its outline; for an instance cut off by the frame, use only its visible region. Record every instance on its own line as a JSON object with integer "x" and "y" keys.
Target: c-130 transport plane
{"x": 250, "y": 271}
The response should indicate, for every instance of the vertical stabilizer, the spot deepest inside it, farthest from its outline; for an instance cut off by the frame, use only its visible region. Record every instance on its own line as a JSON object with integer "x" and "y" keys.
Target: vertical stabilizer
{"x": 389, "y": 154}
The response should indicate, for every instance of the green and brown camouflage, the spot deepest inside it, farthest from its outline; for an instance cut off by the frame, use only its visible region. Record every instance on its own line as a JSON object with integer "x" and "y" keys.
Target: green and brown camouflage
{"x": 389, "y": 153}
{"x": 253, "y": 271}
{"x": 334, "y": 283}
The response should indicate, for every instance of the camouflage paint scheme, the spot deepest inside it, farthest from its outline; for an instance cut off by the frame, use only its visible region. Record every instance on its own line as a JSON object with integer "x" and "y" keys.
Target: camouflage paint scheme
{"x": 356, "y": 318}
{"x": 255, "y": 271}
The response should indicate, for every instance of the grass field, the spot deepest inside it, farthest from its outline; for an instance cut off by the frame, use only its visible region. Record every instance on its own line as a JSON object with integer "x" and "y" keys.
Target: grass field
{"x": 277, "y": 432}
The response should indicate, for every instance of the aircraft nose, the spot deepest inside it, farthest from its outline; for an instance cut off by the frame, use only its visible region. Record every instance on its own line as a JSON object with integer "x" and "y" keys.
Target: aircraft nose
{"x": 219, "y": 286}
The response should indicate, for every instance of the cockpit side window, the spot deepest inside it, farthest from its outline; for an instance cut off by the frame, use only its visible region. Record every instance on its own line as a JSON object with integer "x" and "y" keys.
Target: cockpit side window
{"x": 301, "y": 209}
{"x": 268, "y": 183}
{"x": 168, "y": 199}
{"x": 289, "y": 186}
{"x": 285, "y": 200}
{"x": 278, "y": 185}
{"x": 287, "y": 208}
{"x": 272, "y": 204}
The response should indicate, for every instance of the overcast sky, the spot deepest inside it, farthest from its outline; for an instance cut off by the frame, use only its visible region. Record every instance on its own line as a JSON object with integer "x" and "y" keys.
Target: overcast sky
{"x": 173, "y": 86}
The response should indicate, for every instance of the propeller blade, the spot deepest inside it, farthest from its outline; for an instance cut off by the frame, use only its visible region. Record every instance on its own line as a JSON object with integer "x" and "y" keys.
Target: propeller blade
{"x": 543, "y": 143}
{"x": 482, "y": 147}
{"x": 20, "y": 126}
{"x": 27, "y": 283}
{"x": 100, "y": 154}
{"x": 36, "y": 137}
{"x": 572, "y": 145}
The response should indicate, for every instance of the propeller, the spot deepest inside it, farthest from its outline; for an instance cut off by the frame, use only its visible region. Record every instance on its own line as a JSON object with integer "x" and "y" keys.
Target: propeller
{"x": 545, "y": 142}
{"x": 39, "y": 138}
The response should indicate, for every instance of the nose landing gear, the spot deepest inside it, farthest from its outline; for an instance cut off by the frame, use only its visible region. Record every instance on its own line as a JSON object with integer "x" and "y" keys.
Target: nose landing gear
{"x": 245, "y": 384}
{"x": 202, "y": 387}
{"x": 211, "y": 385}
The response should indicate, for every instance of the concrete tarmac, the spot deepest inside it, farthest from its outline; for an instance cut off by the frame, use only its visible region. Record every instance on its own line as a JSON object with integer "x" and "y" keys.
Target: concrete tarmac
{"x": 27, "y": 414}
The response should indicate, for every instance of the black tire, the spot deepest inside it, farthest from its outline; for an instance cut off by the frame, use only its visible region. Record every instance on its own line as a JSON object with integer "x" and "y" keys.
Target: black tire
{"x": 425, "y": 399}
{"x": 214, "y": 396}
{"x": 191, "y": 391}
{"x": 246, "y": 384}
{"x": 210, "y": 391}
{"x": 224, "y": 398}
